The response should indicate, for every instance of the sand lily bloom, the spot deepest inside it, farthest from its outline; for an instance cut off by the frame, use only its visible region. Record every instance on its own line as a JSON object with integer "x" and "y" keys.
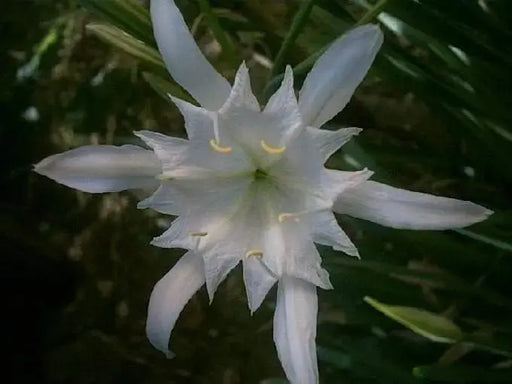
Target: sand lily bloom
{"x": 249, "y": 185}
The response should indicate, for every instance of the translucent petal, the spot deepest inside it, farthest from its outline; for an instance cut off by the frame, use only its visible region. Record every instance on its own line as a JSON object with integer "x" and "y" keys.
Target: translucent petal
{"x": 169, "y": 150}
{"x": 200, "y": 158}
{"x": 302, "y": 259}
{"x": 334, "y": 182}
{"x": 198, "y": 121}
{"x": 184, "y": 60}
{"x": 241, "y": 95}
{"x": 198, "y": 198}
{"x": 295, "y": 321}
{"x": 329, "y": 142}
{"x": 103, "y": 168}
{"x": 258, "y": 281}
{"x": 399, "y": 208}
{"x": 283, "y": 108}
{"x": 335, "y": 76}
{"x": 169, "y": 297}
{"x": 289, "y": 249}
{"x": 326, "y": 231}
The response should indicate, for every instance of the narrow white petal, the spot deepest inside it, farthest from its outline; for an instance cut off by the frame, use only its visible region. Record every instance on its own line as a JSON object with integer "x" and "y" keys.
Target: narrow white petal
{"x": 184, "y": 60}
{"x": 300, "y": 258}
{"x": 198, "y": 121}
{"x": 103, "y": 168}
{"x": 258, "y": 281}
{"x": 169, "y": 297}
{"x": 326, "y": 231}
{"x": 295, "y": 330}
{"x": 218, "y": 262}
{"x": 399, "y": 208}
{"x": 169, "y": 150}
{"x": 198, "y": 198}
{"x": 177, "y": 236}
{"x": 241, "y": 95}
{"x": 304, "y": 262}
{"x": 334, "y": 182}
{"x": 335, "y": 76}
{"x": 284, "y": 109}
{"x": 284, "y": 96}
{"x": 199, "y": 158}
{"x": 329, "y": 142}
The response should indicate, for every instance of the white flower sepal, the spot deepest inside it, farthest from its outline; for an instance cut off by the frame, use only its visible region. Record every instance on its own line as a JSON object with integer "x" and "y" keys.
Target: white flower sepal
{"x": 250, "y": 186}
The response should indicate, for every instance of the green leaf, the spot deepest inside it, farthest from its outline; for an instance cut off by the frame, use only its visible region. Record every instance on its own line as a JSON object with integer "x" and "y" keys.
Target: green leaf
{"x": 49, "y": 40}
{"x": 430, "y": 325}
{"x": 127, "y": 43}
{"x": 129, "y": 15}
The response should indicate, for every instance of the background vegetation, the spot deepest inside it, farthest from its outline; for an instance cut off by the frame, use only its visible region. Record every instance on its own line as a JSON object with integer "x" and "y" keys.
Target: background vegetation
{"x": 77, "y": 269}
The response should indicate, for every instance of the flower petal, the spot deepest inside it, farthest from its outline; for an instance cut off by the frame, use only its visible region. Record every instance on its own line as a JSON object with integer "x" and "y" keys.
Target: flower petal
{"x": 400, "y": 208}
{"x": 198, "y": 199}
{"x": 200, "y": 158}
{"x": 198, "y": 121}
{"x": 169, "y": 150}
{"x": 103, "y": 168}
{"x": 329, "y": 142}
{"x": 295, "y": 330}
{"x": 258, "y": 281}
{"x": 169, "y": 297}
{"x": 184, "y": 60}
{"x": 283, "y": 108}
{"x": 334, "y": 182}
{"x": 241, "y": 95}
{"x": 335, "y": 76}
{"x": 289, "y": 250}
{"x": 326, "y": 231}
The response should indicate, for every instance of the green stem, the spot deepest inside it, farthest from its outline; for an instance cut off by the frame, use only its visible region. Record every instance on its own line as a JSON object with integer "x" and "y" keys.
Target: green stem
{"x": 297, "y": 24}
{"x": 372, "y": 13}
{"x": 218, "y": 32}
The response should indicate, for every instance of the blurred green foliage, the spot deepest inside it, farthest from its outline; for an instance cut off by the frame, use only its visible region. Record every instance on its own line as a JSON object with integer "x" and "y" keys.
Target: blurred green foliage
{"x": 436, "y": 113}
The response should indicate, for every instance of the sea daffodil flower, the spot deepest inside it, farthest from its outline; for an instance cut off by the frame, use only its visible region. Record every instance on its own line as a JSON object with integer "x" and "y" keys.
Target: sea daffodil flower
{"x": 249, "y": 185}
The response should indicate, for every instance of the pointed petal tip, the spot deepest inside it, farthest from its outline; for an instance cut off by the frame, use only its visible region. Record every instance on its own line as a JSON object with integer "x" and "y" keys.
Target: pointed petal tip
{"x": 41, "y": 166}
{"x": 183, "y": 58}
{"x": 168, "y": 298}
{"x": 355, "y": 130}
{"x": 403, "y": 209}
{"x": 288, "y": 73}
{"x": 349, "y": 251}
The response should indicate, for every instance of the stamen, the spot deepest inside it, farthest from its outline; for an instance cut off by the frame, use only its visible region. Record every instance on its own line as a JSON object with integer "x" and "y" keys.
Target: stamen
{"x": 285, "y": 216}
{"x": 218, "y": 148}
{"x": 272, "y": 150}
{"x": 198, "y": 234}
{"x": 255, "y": 253}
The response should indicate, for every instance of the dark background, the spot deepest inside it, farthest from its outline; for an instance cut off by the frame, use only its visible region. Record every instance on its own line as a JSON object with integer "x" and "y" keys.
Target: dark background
{"x": 77, "y": 269}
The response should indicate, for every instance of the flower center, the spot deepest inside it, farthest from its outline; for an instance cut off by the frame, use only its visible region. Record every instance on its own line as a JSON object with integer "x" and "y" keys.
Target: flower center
{"x": 260, "y": 174}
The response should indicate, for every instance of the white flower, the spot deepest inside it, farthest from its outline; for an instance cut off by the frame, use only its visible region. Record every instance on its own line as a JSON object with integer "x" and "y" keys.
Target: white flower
{"x": 250, "y": 185}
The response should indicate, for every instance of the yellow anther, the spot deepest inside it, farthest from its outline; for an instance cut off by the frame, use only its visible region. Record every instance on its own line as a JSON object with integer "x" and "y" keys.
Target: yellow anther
{"x": 255, "y": 253}
{"x": 285, "y": 216}
{"x": 198, "y": 234}
{"x": 218, "y": 148}
{"x": 272, "y": 150}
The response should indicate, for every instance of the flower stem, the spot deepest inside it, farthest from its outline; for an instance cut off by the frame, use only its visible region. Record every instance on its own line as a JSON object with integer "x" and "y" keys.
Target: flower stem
{"x": 372, "y": 13}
